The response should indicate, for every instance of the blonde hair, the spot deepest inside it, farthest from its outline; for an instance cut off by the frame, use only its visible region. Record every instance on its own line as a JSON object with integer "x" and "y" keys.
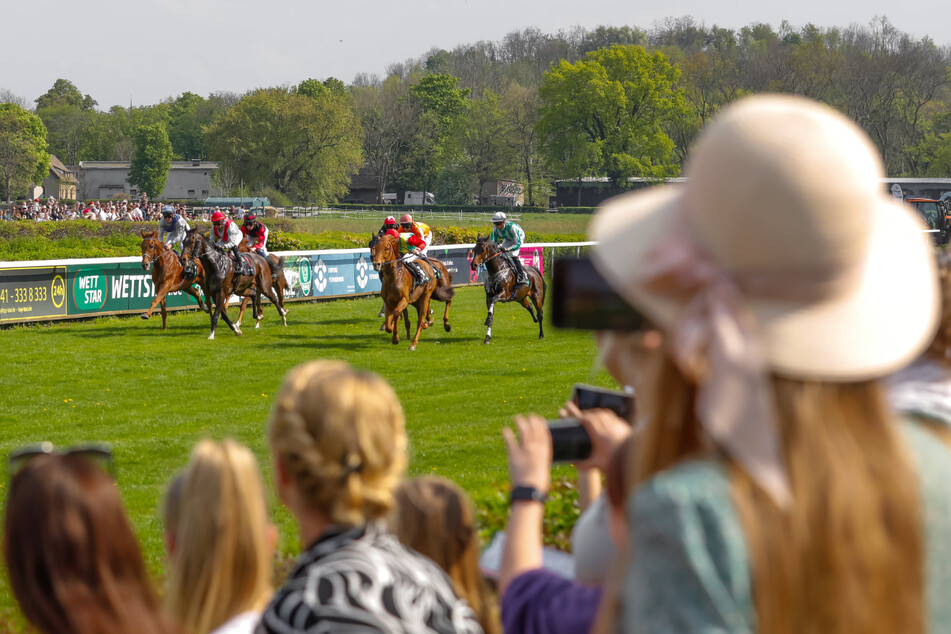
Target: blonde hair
{"x": 848, "y": 555}
{"x": 339, "y": 433}
{"x": 221, "y": 566}
{"x": 435, "y": 518}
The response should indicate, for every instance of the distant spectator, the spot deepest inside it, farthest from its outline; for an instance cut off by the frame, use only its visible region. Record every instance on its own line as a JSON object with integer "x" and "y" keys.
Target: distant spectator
{"x": 435, "y": 518}
{"x": 74, "y": 564}
{"x": 339, "y": 446}
{"x": 220, "y": 541}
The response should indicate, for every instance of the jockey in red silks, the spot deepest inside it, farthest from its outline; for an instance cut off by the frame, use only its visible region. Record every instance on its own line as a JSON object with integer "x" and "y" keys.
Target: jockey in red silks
{"x": 258, "y": 232}
{"x": 411, "y": 246}
{"x": 227, "y": 235}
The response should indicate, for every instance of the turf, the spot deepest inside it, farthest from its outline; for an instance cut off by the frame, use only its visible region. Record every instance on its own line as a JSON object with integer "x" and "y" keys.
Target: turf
{"x": 154, "y": 394}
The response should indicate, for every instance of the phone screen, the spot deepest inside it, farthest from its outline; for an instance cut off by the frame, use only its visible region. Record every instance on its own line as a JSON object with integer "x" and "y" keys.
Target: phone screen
{"x": 569, "y": 440}
{"x": 582, "y": 298}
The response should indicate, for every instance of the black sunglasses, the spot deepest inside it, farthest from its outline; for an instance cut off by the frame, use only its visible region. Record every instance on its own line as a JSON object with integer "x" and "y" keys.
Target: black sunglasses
{"x": 99, "y": 454}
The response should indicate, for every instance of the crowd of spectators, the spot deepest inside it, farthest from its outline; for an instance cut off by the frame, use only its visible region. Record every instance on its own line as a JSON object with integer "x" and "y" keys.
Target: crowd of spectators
{"x": 787, "y": 468}
{"x": 107, "y": 211}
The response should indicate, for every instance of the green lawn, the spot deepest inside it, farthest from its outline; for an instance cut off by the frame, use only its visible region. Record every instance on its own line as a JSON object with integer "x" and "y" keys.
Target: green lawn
{"x": 153, "y": 394}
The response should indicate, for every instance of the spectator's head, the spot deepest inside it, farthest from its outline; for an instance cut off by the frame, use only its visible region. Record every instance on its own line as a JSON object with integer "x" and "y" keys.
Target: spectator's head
{"x": 434, "y": 517}
{"x": 221, "y": 540}
{"x": 787, "y": 282}
{"x": 338, "y": 440}
{"x": 73, "y": 560}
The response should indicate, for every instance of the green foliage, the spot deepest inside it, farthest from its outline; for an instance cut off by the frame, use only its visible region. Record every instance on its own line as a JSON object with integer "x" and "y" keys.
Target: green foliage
{"x": 561, "y": 512}
{"x": 606, "y": 114}
{"x": 65, "y": 93}
{"x": 23, "y": 150}
{"x": 314, "y": 87}
{"x": 153, "y": 158}
{"x": 187, "y": 114}
{"x": 306, "y": 147}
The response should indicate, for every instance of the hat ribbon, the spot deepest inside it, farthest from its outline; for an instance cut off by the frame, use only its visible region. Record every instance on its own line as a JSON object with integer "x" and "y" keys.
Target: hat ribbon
{"x": 714, "y": 342}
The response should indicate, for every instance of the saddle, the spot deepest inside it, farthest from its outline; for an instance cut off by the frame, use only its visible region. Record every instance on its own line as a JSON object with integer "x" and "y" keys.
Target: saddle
{"x": 244, "y": 266}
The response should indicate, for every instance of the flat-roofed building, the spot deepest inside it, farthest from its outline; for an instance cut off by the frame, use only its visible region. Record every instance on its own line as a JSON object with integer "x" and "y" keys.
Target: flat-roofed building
{"x": 187, "y": 180}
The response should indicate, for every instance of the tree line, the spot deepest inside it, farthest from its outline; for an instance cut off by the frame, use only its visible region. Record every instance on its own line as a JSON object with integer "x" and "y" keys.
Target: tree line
{"x": 533, "y": 107}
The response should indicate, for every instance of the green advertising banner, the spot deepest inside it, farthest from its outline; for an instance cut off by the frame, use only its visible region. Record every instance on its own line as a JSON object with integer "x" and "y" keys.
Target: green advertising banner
{"x": 30, "y": 293}
{"x": 114, "y": 287}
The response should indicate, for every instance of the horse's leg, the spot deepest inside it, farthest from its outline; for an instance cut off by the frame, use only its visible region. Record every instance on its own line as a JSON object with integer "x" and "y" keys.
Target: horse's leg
{"x": 445, "y": 317}
{"x": 258, "y": 310}
{"x": 490, "y": 305}
{"x": 160, "y": 293}
{"x": 406, "y": 319}
{"x": 277, "y": 298}
{"x": 244, "y": 305}
{"x": 191, "y": 290}
{"x": 422, "y": 315}
{"x": 400, "y": 310}
{"x": 527, "y": 303}
{"x": 538, "y": 298}
{"x": 164, "y": 313}
{"x": 214, "y": 316}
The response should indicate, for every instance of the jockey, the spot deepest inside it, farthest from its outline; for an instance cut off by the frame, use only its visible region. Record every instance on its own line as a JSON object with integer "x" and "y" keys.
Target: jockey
{"x": 227, "y": 236}
{"x": 420, "y": 229}
{"x": 258, "y": 233}
{"x": 409, "y": 247}
{"x": 389, "y": 223}
{"x": 172, "y": 228}
{"x": 508, "y": 236}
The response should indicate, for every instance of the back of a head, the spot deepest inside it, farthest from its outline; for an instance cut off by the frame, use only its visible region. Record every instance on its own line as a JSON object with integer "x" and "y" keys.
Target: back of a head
{"x": 221, "y": 564}
{"x": 74, "y": 563}
{"x": 339, "y": 432}
{"x": 434, "y": 517}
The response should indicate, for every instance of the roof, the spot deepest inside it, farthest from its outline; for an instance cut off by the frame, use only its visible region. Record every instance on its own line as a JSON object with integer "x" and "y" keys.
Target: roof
{"x": 59, "y": 170}
{"x": 124, "y": 165}
{"x": 248, "y": 202}
{"x": 365, "y": 178}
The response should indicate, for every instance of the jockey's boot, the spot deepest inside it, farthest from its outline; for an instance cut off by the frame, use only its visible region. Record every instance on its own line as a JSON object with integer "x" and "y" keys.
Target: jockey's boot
{"x": 421, "y": 277}
{"x": 521, "y": 278}
{"x": 238, "y": 261}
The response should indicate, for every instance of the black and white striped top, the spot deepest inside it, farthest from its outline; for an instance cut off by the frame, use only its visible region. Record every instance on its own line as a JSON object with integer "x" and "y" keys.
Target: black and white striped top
{"x": 363, "y": 580}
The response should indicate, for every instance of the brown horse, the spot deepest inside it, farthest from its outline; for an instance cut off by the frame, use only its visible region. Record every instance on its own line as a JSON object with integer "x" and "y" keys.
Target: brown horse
{"x": 501, "y": 281}
{"x": 278, "y": 281}
{"x": 399, "y": 292}
{"x": 221, "y": 281}
{"x": 168, "y": 274}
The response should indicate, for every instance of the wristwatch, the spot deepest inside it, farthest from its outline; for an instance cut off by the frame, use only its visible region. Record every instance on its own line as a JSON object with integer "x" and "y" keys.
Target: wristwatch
{"x": 520, "y": 493}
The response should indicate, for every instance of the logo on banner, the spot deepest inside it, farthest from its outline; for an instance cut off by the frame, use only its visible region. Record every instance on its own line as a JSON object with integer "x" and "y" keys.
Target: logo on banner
{"x": 303, "y": 268}
{"x": 58, "y": 291}
{"x": 362, "y": 277}
{"x": 320, "y": 276}
{"x": 89, "y": 289}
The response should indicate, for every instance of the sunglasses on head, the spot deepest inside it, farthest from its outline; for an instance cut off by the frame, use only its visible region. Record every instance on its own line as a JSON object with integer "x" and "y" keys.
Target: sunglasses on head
{"x": 99, "y": 454}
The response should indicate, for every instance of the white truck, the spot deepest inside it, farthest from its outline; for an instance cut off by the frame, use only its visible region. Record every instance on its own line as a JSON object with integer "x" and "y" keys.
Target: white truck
{"x": 419, "y": 198}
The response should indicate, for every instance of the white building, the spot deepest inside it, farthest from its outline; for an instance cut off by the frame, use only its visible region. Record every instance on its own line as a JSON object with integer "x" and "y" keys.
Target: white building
{"x": 187, "y": 180}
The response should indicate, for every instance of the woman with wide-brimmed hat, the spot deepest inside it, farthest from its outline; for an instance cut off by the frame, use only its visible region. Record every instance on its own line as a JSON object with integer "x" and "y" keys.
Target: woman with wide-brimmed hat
{"x": 777, "y": 492}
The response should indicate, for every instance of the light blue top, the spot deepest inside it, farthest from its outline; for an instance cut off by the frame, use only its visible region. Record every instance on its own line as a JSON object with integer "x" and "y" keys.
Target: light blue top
{"x": 690, "y": 571}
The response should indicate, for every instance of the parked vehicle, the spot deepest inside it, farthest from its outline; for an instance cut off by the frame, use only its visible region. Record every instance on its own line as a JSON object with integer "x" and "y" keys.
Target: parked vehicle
{"x": 936, "y": 214}
{"x": 419, "y": 198}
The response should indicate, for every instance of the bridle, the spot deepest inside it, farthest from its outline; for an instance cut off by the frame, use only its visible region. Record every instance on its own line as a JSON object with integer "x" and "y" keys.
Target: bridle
{"x": 152, "y": 258}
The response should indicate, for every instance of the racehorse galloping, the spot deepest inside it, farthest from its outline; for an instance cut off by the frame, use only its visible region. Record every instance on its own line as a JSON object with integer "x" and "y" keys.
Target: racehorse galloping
{"x": 278, "y": 281}
{"x": 398, "y": 291}
{"x": 501, "y": 280}
{"x": 221, "y": 281}
{"x": 168, "y": 274}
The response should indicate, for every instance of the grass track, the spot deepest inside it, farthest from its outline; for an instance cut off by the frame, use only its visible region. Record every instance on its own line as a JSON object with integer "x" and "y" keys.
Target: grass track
{"x": 154, "y": 394}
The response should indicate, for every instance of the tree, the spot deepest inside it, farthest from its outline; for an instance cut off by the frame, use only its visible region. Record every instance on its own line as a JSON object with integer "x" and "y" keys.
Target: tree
{"x": 153, "y": 158}
{"x": 65, "y": 93}
{"x": 605, "y": 115}
{"x": 184, "y": 126}
{"x": 306, "y": 147}
{"x": 488, "y": 140}
{"x": 23, "y": 156}
{"x": 522, "y": 109}
{"x": 8, "y": 96}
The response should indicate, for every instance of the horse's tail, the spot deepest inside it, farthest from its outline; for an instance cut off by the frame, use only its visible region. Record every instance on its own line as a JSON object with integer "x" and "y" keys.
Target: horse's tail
{"x": 276, "y": 267}
{"x": 444, "y": 290}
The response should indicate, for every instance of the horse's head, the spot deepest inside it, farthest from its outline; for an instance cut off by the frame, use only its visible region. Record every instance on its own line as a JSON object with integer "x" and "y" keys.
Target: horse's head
{"x": 482, "y": 250}
{"x": 192, "y": 246}
{"x": 383, "y": 249}
{"x": 151, "y": 249}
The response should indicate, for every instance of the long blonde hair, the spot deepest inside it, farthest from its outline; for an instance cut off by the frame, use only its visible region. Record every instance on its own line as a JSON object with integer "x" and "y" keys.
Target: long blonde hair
{"x": 340, "y": 435}
{"x": 435, "y": 518}
{"x": 221, "y": 566}
{"x": 848, "y": 555}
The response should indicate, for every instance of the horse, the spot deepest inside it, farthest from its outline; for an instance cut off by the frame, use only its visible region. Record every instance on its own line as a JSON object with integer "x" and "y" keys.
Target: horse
{"x": 501, "y": 281}
{"x": 398, "y": 289}
{"x": 278, "y": 279}
{"x": 168, "y": 274}
{"x": 221, "y": 281}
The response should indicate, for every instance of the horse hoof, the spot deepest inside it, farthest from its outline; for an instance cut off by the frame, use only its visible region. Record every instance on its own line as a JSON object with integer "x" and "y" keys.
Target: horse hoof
{"x": 238, "y": 332}
{"x": 257, "y": 325}
{"x": 447, "y": 327}
{"x": 145, "y": 315}
{"x": 412, "y": 348}
{"x": 382, "y": 313}
{"x": 211, "y": 336}
{"x": 383, "y": 328}
{"x": 487, "y": 340}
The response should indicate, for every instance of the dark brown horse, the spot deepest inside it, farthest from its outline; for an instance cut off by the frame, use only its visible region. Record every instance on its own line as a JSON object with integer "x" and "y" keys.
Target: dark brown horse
{"x": 168, "y": 274}
{"x": 278, "y": 281}
{"x": 221, "y": 281}
{"x": 399, "y": 291}
{"x": 500, "y": 282}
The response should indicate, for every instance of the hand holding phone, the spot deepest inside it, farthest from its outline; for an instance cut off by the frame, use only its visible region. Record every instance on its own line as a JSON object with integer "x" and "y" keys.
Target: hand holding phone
{"x": 570, "y": 441}
{"x": 591, "y": 397}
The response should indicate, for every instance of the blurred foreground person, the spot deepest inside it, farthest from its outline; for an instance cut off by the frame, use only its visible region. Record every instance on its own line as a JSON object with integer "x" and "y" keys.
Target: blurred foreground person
{"x": 339, "y": 446}
{"x": 220, "y": 541}
{"x": 776, "y": 490}
{"x": 434, "y": 517}
{"x": 74, "y": 563}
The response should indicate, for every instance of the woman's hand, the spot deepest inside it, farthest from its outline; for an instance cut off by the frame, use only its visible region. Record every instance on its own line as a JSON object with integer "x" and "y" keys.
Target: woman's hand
{"x": 530, "y": 459}
{"x": 606, "y": 429}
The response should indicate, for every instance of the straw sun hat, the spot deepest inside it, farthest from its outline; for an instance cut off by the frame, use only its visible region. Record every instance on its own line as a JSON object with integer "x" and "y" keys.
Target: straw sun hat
{"x": 783, "y": 198}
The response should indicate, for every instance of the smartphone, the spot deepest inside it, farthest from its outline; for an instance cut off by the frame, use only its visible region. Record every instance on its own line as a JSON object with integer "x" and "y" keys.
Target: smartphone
{"x": 583, "y": 299}
{"x": 591, "y": 397}
{"x": 569, "y": 440}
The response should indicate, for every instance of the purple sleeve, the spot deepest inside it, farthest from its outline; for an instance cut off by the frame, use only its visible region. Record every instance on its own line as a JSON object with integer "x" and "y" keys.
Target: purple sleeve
{"x": 539, "y": 601}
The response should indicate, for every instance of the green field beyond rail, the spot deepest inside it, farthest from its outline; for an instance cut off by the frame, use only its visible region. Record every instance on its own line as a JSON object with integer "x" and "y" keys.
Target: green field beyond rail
{"x": 154, "y": 394}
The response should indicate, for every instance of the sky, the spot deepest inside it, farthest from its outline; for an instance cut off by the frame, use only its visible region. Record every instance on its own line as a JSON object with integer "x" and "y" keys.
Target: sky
{"x": 144, "y": 51}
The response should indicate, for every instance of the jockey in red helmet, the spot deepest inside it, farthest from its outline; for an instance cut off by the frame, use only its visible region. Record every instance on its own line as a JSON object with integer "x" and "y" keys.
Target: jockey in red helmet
{"x": 257, "y": 232}
{"x": 409, "y": 247}
{"x": 227, "y": 236}
{"x": 389, "y": 223}
{"x": 420, "y": 229}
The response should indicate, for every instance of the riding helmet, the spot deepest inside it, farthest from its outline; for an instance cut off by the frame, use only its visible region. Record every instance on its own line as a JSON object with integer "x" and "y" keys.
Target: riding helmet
{"x": 249, "y": 218}
{"x": 390, "y": 220}
{"x": 215, "y": 217}
{"x": 406, "y": 219}
{"x": 498, "y": 216}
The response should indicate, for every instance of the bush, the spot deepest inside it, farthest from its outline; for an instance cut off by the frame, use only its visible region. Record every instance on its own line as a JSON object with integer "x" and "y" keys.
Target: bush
{"x": 561, "y": 513}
